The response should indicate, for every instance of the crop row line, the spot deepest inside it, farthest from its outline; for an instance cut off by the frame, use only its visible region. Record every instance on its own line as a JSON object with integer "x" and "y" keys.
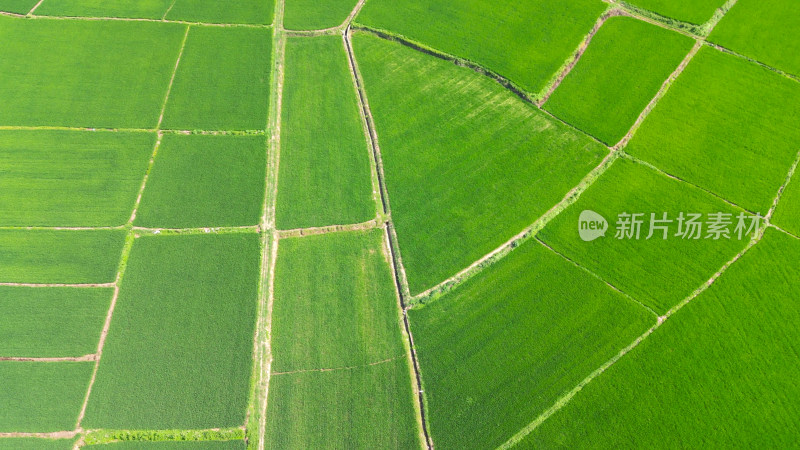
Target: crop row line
{"x": 89, "y": 357}
{"x": 335, "y": 369}
{"x": 60, "y": 285}
{"x": 32, "y": 16}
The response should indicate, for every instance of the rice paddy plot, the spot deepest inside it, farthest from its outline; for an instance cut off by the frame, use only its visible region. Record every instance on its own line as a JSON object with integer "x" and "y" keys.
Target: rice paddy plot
{"x": 175, "y": 445}
{"x": 42, "y": 397}
{"x": 621, "y": 71}
{"x": 222, "y": 82}
{"x": 71, "y": 178}
{"x": 51, "y": 322}
{"x": 72, "y": 257}
{"x": 500, "y": 349}
{"x": 720, "y": 373}
{"x": 787, "y": 214}
{"x": 256, "y": 12}
{"x": 78, "y": 72}
{"x": 140, "y": 9}
{"x": 363, "y": 407}
{"x": 658, "y": 272}
{"x": 17, "y": 6}
{"x": 468, "y": 164}
{"x": 765, "y": 30}
{"x": 205, "y": 181}
{"x": 179, "y": 350}
{"x": 696, "y": 12}
{"x": 726, "y": 125}
{"x": 526, "y": 42}
{"x": 316, "y": 14}
{"x": 325, "y": 165}
{"x": 36, "y": 444}
{"x": 335, "y": 303}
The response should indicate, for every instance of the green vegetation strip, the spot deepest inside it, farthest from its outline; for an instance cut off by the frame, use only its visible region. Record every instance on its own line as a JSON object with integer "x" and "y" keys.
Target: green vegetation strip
{"x": 695, "y": 12}
{"x": 211, "y": 438}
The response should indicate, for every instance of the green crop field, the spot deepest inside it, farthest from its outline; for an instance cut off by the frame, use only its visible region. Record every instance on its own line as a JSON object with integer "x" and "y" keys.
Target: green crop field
{"x": 51, "y": 322}
{"x": 205, "y": 181}
{"x": 42, "y": 397}
{"x": 623, "y": 68}
{"x": 787, "y": 215}
{"x": 525, "y": 42}
{"x": 322, "y": 181}
{"x": 725, "y": 369}
{"x": 450, "y": 139}
{"x": 179, "y": 348}
{"x": 222, "y": 80}
{"x": 764, "y": 30}
{"x": 241, "y": 11}
{"x": 364, "y": 407}
{"x": 70, "y": 178}
{"x": 513, "y": 339}
{"x": 695, "y": 12}
{"x": 17, "y": 6}
{"x": 176, "y": 445}
{"x": 36, "y": 444}
{"x": 727, "y": 126}
{"x": 147, "y": 9}
{"x": 316, "y": 14}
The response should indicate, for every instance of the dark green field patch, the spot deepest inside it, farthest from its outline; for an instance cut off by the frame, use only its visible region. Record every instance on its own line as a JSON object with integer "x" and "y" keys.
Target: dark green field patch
{"x": 36, "y": 444}
{"x": 695, "y": 12}
{"x": 42, "y": 397}
{"x": 364, "y": 407}
{"x": 51, "y": 322}
{"x": 17, "y": 6}
{"x": 205, "y": 181}
{"x": 765, "y": 30}
{"x": 721, "y": 373}
{"x": 617, "y": 76}
{"x": 658, "y": 272}
{"x": 502, "y": 348}
{"x": 72, "y": 257}
{"x": 726, "y": 125}
{"x": 79, "y": 72}
{"x": 222, "y": 82}
{"x": 209, "y": 11}
{"x": 71, "y": 178}
{"x": 316, "y": 14}
{"x": 324, "y": 170}
{"x": 335, "y": 303}
{"x": 179, "y": 351}
{"x": 468, "y": 164}
{"x": 145, "y": 9}
{"x": 526, "y": 42}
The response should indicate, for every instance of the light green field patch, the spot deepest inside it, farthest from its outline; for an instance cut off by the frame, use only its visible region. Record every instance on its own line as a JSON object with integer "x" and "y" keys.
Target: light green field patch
{"x": 205, "y": 181}
{"x": 51, "y": 322}
{"x": 525, "y": 42}
{"x": 81, "y": 72}
{"x": 658, "y": 272}
{"x": 17, "y": 6}
{"x": 499, "y": 350}
{"x": 36, "y": 444}
{"x": 721, "y": 373}
{"x": 211, "y": 11}
{"x": 324, "y": 170}
{"x": 765, "y": 30}
{"x": 71, "y": 178}
{"x": 787, "y": 214}
{"x": 468, "y": 164}
{"x": 145, "y": 9}
{"x": 73, "y": 257}
{"x": 365, "y": 407}
{"x": 621, "y": 71}
{"x": 316, "y": 14}
{"x": 179, "y": 351}
{"x": 222, "y": 81}
{"x": 177, "y": 445}
{"x": 335, "y": 303}
{"x": 42, "y": 397}
{"x": 726, "y": 125}
{"x": 696, "y": 12}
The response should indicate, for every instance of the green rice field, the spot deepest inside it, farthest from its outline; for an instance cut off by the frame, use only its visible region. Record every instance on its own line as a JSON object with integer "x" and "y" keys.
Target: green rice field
{"x": 316, "y": 14}
{"x": 695, "y": 12}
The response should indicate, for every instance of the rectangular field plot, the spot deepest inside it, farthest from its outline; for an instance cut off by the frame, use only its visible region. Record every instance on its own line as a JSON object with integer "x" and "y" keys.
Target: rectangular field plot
{"x": 468, "y": 164}
{"x": 71, "y": 178}
{"x": 726, "y": 125}
{"x": 525, "y": 42}
{"x": 787, "y": 214}
{"x": 324, "y": 170}
{"x": 363, "y": 407}
{"x": 40, "y": 397}
{"x": 765, "y": 30}
{"x": 617, "y": 76}
{"x": 72, "y": 257}
{"x": 78, "y": 72}
{"x": 36, "y": 444}
{"x": 499, "y": 350}
{"x": 145, "y": 9}
{"x": 17, "y": 6}
{"x": 210, "y": 11}
{"x": 721, "y": 373}
{"x": 222, "y": 82}
{"x": 179, "y": 351}
{"x": 658, "y": 272}
{"x": 695, "y": 12}
{"x": 335, "y": 303}
{"x": 205, "y": 181}
{"x": 51, "y": 322}
{"x": 316, "y": 14}
{"x": 175, "y": 445}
